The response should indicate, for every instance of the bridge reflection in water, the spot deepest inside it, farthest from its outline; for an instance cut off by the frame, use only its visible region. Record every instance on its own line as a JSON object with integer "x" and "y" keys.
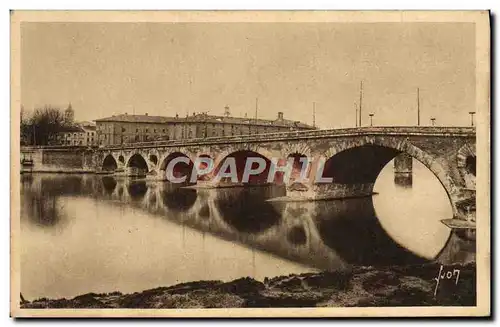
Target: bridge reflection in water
{"x": 320, "y": 234}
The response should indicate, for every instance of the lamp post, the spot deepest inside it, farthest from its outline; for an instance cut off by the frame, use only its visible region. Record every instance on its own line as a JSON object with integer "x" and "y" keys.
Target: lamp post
{"x": 433, "y": 121}
{"x": 371, "y": 118}
{"x": 472, "y": 113}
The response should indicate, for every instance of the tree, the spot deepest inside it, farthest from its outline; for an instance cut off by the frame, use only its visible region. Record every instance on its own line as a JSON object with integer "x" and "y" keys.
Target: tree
{"x": 43, "y": 125}
{"x": 25, "y": 128}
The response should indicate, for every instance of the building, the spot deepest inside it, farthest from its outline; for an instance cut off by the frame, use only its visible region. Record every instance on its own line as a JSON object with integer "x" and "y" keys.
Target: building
{"x": 135, "y": 128}
{"x": 69, "y": 136}
{"x": 90, "y": 135}
{"x": 143, "y": 128}
{"x": 76, "y": 135}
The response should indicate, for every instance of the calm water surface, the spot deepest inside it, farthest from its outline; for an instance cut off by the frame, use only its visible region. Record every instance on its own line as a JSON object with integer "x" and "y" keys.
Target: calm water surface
{"x": 86, "y": 233}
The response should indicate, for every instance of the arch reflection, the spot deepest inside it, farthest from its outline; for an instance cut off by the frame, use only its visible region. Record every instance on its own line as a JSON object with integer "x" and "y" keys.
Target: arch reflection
{"x": 137, "y": 190}
{"x": 351, "y": 228}
{"x": 109, "y": 184}
{"x": 247, "y": 210}
{"x": 177, "y": 198}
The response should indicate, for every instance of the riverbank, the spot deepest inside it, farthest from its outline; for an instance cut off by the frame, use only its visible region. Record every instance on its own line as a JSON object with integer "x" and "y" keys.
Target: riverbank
{"x": 360, "y": 287}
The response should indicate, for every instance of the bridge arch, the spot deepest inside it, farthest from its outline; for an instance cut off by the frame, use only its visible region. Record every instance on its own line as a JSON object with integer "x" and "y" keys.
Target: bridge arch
{"x": 137, "y": 164}
{"x": 180, "y": 169}
{"x": 240, "y": 156}
{"x": 109, "y": 163}
{"x": 361, "y": 161}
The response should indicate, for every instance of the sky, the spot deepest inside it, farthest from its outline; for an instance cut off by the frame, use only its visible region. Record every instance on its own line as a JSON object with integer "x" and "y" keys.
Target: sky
{"x": 106, "y": 69}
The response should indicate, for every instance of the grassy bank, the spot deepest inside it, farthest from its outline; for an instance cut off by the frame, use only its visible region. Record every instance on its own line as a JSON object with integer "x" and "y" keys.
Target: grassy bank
{"x": 362, "y": 286}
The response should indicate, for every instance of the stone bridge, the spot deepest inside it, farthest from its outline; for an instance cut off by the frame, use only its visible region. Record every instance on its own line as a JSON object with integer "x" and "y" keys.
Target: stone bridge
{"x": 352, "y": 157}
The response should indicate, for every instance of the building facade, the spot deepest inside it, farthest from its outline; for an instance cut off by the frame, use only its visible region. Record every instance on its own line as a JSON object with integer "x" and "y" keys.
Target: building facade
{"x": 76, "y": 135}
{"x": 144, "y": 128}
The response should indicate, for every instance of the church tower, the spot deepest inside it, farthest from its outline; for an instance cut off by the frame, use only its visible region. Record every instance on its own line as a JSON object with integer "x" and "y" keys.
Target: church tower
{"x": 69, "y": 115}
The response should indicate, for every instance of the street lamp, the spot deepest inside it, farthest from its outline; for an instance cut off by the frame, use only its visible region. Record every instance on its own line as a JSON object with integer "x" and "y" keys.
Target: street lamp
{"x": 371, "y": 118}
{"x": 433, "y": 121}
{"x": 472, "y": 113}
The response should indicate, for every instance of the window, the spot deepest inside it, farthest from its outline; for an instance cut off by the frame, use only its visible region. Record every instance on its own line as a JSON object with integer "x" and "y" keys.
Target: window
{"x": 164, "y": 130}
{"x": 154, "y": 130}
{"x": 147, "y": 130}
{"x": 137, "y": 130}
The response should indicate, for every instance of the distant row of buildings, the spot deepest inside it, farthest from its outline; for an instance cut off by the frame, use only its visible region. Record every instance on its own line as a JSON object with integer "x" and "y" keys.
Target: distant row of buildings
{"x": 127, "y": 128}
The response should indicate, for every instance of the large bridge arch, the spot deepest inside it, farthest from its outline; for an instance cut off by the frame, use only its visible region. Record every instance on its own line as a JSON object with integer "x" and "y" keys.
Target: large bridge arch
{"x": 360, "y": 161}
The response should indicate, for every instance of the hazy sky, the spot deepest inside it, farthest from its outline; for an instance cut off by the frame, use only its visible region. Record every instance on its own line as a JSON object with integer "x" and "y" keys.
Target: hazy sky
{"x": 165, "y": 68}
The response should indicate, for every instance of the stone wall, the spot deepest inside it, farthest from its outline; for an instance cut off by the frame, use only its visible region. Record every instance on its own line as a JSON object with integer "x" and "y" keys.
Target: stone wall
{"x": 64, "y": 160}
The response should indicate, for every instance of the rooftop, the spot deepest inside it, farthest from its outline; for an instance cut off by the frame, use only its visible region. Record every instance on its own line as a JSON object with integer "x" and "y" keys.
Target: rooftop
{"x": 70, "y": 129}
{"x": 138, "y": 119}
{"x": 203, "y": 117}
{"x": 88, "y": 127}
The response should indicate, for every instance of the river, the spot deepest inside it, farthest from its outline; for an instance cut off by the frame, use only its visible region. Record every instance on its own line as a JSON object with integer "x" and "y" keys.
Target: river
{"x": 94, "y": 233}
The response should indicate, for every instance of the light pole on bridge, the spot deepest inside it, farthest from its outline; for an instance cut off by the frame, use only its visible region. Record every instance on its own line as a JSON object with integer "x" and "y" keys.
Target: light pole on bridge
{"x": 472, "y": 113}
{"x": 433, "y": 121}
{"x": 371, "y": 118}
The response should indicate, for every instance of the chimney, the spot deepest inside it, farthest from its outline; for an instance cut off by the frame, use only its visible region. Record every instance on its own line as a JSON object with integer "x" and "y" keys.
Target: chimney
{"x": 146, "y": 113}
{"x": 280, "y": 115}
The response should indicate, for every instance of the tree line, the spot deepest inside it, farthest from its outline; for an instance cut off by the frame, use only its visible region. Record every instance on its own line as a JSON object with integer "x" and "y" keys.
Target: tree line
{"x": 41, "y": 126}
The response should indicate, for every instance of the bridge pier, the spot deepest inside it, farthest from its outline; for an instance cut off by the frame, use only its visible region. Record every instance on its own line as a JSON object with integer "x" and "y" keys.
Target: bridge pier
{"x": 403, "y": 170}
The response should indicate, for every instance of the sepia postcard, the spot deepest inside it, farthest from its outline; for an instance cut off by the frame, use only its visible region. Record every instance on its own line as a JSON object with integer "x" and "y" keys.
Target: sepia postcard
{"x": 250, "y": 164}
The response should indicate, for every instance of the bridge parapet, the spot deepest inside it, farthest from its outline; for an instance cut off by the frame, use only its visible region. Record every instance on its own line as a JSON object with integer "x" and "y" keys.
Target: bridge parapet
{"x": 316, "y": 134}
